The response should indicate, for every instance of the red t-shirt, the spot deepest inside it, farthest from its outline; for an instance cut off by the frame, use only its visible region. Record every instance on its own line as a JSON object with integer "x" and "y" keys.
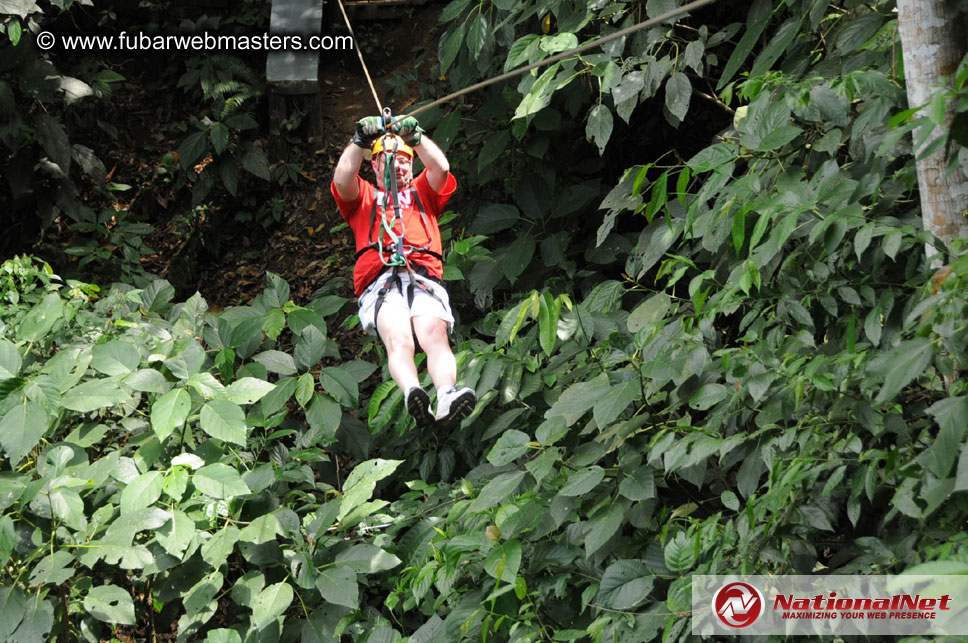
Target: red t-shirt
{"x": 357, "y": 214}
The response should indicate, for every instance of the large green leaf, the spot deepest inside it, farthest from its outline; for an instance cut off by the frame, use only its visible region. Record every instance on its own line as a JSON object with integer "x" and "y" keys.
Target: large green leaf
{"x": 337, "y": 584}
{"x": 177, "y": 534}
{"x": 598, "y": 128}
{"x": 494, "y": 218}
{"x": 558, "y": 42}
{"x": 271, "y": 603}
{"x": 579, "y": 398}
{"x": 223, "y": 635}
{"x": 613, "y": 403}
{"x": 549, "y": 313}
{"x": 41, "y": 318}
{"x": 901, "y": 366}
{"x": 450, "y": 46}
{"x": 216, "y": 549}
{"x": 756, "y": 21}
{"x": 624, "y": 585}
{"x": 13, "y": 606}
{"x": 10, "y": 360}
{"x": 197, "y": 598}
{"x": 277, "y": 362}
{"x": 951, "y": 414}
{"x": 225, "y": 420}
{"x": 678, "y": 93}
{"x": 192, "y": 148}
{"x": 497, "y": 490}
{"x": 708, "y": 395}
{"x": 169, "y": 412}
{"x": 21, "y": 429}
{"x": 310, "y": 348}
{"x": 477, "y": 33}
{"x": 141, "y": 492}
{"x": 341, "y": 384}
{"x": 248, "y": 390}
{"x": 649, "y": 312}
{"x": 504, "y": 561}
{"x": 494, "y": 147}
{"x": 66, "y": 505}
{"x": 361, "y": 482}
{"x": 219, "y": 134}
{"x": 21, "y": 8}
{"x": 255, "y": 162}
{"x": 517, "y": 257}
{"x": 583, "y": 481}
{"x": 53, "y": 569}
{"x": 37, "y": 622}
{"x": 115, "y": 358}
{"x": 680, "y": 553}
{"x": 639, "y": 485}
{"x": 602, "y": 526}
{"x": 324, "y": 413}
{"x": 519, "y": 52}
{"x": 509, "y": 447}
{"x": 277, "y": 397}
{"x": 220, "y": 481}
{"x": 626, "y": 94}
{"x": 540, "y": 94}
{"x": 367, "y": 559}
{"x": 93, "y": 395}
{"x": 111, "y": 604}
{"x": 146, "y": 380}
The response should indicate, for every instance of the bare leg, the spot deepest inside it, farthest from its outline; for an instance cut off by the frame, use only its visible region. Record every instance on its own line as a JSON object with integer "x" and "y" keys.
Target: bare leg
{"x": 432, "y": 334}
{"x": 393, "y": 323}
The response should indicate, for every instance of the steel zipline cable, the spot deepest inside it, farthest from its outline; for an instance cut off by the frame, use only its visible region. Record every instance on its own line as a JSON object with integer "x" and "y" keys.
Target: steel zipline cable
{"x": 359, "y": 52}
{"x": 516, "y": 72}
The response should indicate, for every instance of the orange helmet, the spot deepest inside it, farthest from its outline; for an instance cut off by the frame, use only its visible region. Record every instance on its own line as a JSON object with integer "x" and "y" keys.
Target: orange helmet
{"x": 402, "y": 147}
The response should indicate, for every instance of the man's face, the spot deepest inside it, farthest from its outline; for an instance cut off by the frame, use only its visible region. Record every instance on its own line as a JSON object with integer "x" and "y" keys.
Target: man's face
{"x": 402, "y": 167}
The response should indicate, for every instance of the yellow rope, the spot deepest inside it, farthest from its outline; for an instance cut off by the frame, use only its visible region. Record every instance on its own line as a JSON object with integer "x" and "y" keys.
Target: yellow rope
{"x": 359, "y": 52}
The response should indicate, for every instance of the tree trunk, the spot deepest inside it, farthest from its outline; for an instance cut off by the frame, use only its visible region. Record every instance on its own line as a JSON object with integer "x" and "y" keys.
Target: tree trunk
{"x": 932, "y": 46}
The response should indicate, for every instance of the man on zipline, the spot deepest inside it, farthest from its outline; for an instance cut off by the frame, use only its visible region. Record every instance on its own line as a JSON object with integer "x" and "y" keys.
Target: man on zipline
{"x": 402, "y": 296}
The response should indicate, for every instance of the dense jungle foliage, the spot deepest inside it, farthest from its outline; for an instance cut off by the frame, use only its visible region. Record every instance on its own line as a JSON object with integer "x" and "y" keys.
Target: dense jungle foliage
{"x": 693, "y": 302}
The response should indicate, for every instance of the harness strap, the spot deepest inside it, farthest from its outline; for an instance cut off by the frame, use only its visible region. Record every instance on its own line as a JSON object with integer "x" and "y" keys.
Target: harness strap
{"x": 395, "y": 280}
{"x": 376, "y": 244}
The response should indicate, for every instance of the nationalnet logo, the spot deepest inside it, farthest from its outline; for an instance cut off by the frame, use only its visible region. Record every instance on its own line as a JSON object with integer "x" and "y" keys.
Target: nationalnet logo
{"x": 738, "y": 604}
{"x": 898, "y": 606}
{"x": 830, "y": 605}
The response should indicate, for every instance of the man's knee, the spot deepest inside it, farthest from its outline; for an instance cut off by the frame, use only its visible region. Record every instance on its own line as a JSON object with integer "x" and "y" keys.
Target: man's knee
{"x": 431, "y": 331}
{"x": 395, "y": 332}
{"x": 396, "y": 342}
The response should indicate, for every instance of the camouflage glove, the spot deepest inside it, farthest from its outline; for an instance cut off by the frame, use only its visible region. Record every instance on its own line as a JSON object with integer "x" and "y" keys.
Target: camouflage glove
{"x": 409, "y": 129}
{"x": 368, "y": 130}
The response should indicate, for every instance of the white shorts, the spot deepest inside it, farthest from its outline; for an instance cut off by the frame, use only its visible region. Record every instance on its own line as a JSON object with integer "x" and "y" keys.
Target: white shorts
{"x": 436, "y": 305}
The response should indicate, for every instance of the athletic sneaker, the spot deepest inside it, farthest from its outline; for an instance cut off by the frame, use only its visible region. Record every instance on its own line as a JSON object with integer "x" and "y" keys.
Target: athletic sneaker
{"x": 418, "y": 405}
{"x": 453, "y": 406}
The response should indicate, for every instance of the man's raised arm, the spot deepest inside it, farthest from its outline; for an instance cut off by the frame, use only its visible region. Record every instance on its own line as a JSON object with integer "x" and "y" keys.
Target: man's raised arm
{"x": 435, "y": 161}
{"x": 347, "y": 169}
{"x": 432, "y": 156}
{"x": 348, "y": 166}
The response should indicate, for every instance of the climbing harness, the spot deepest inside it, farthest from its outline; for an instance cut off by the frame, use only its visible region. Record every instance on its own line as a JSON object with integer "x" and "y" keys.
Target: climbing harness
{"x": 399, "y": 257}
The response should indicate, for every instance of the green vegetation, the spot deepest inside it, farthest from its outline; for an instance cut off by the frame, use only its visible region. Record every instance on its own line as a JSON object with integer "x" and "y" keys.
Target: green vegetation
{"x": 725, "y": 356}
